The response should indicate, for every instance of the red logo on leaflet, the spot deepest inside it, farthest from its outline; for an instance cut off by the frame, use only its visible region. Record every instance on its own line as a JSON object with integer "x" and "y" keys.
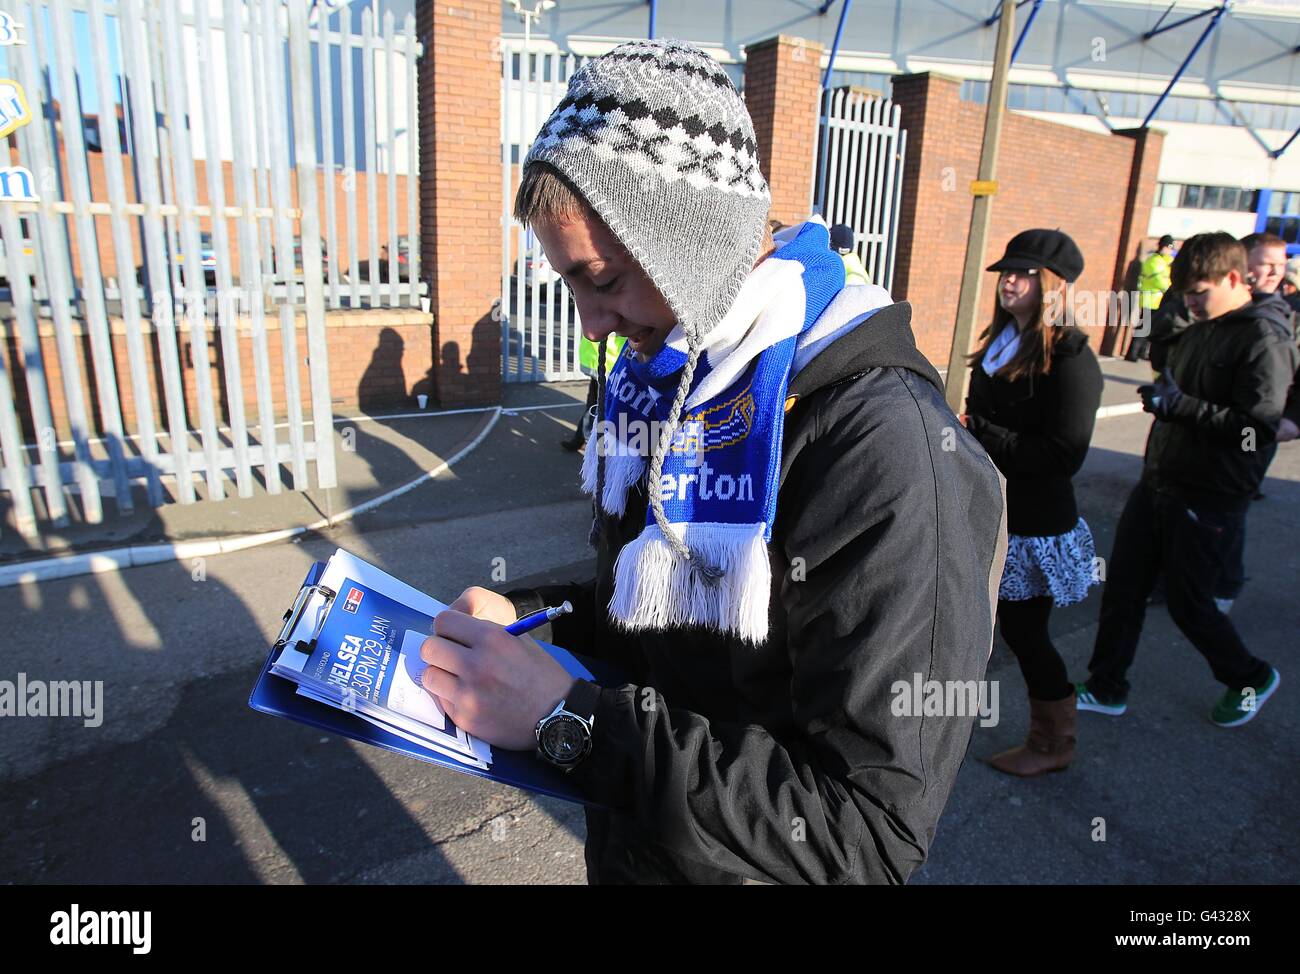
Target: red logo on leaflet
{"x": 353, "y": 601}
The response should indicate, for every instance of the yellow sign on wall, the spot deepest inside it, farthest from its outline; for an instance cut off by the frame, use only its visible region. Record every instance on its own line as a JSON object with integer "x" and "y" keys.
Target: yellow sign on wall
{"x": 14, "y": 113}
{"x": 983, "y": 187}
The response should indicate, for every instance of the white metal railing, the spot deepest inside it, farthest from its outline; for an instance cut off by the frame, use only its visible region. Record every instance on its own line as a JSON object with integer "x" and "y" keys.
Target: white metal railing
{"x": 229, "y": 82}
{"x": 539, "y": 321}
{"x": 858, "y": 174}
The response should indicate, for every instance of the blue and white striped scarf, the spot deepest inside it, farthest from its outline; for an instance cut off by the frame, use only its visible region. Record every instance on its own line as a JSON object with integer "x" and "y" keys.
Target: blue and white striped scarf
{"x": 720, "y": 475}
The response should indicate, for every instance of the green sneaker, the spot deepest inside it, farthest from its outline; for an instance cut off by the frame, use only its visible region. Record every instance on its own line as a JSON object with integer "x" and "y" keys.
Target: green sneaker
{"x": 1085, "y": 699}
{"x": 1236, "y": 707}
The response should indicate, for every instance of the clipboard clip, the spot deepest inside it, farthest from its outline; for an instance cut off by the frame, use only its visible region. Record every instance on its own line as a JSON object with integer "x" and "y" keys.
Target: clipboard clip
{"x": 293, "y": 614}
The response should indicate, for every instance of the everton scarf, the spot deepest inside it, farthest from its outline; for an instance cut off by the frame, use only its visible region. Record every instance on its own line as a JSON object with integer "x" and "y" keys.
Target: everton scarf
{"x": 720, "y": 473}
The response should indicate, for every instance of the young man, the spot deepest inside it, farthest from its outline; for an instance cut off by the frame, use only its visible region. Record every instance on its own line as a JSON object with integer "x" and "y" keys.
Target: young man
{"x": 1265, "y": 272}
{"x": 1270, "y": 272}
{"x": 1265, "y": 262}
{"x": 1217, "y": 404}
{"x": 804, "y": 533}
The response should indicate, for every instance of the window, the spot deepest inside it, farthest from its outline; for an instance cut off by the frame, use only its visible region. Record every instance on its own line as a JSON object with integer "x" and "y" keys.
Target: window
{"x": 1234, "y": 198}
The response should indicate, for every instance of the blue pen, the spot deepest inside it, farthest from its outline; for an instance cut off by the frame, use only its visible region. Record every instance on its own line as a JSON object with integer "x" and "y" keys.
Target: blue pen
{"x": 539, "y": 618}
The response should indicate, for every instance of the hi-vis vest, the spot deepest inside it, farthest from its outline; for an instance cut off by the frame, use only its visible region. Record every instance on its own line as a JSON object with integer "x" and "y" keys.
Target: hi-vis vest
{"x": 1153, "y": 279}
{"x": 587, "y": 353}
{"x": 854, "y": 271}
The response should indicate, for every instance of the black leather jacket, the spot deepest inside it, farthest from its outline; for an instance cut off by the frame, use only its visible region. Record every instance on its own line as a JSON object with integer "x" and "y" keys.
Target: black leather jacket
{"x": 788, "y": 761}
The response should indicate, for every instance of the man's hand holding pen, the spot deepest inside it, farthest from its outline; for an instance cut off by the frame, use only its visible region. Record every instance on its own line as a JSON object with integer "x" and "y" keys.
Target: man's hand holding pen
{"x": 494, "y": 685}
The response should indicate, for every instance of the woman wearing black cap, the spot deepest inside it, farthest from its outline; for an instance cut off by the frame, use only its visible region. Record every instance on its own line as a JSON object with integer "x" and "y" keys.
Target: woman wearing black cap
{"x": 1033, "y": 398}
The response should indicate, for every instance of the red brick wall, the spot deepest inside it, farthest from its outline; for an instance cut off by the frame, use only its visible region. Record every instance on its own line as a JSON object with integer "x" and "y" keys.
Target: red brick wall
{"x": 782, "y": 83}
{"x": 379, "y": 360}
{"x": 1134, "y": 244}
{"x": 460, "y": 193}
{"x": 1049, "y": 175}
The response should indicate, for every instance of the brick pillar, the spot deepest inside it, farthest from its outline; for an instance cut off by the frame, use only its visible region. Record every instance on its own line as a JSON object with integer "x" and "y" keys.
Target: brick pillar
{"x": 1148, "y": 144}
{"x": 935, "y": 211}
{"x": 460, "y": 194}
{"x": 782, "y": 85}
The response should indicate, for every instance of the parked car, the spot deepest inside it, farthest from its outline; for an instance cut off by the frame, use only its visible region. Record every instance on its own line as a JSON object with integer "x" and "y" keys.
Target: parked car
{"x": 538, "y": 268}
{"x": 297, "y": 259}
{"x": 207, "y": 256}
{"x": 403, "y": 263}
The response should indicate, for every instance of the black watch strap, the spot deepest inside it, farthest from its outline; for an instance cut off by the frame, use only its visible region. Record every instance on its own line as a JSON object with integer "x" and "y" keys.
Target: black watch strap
{"x": 582, "y": 699}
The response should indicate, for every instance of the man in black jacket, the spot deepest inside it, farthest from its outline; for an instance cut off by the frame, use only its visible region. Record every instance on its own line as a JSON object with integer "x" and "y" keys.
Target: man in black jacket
{"x": 767, "y": 721}
{"x": 1216, "y": 406}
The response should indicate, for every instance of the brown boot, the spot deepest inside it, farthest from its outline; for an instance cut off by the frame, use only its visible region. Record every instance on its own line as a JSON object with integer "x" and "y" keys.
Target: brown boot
{"x": 1050, "y": 745}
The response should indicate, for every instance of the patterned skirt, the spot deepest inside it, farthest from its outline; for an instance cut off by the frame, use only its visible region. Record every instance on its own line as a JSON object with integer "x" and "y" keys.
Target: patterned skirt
{"x": 1062, "y": 566}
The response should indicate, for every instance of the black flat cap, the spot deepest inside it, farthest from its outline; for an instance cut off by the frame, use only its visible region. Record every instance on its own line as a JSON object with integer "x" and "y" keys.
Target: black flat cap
{"x": 1042, "y": 248}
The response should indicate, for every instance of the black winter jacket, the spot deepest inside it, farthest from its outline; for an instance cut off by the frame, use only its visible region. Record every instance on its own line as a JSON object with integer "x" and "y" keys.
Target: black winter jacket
{"x": 1234, "y": 372}
{"x": 1167, "y": 326}
{"x": 1037, "y": 431}
{"x": 784, "y": 762}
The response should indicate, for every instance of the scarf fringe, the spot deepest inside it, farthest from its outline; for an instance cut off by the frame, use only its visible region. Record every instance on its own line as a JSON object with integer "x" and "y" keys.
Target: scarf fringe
{"x": 655, "y": 589}
{"x": 622, "y": 471}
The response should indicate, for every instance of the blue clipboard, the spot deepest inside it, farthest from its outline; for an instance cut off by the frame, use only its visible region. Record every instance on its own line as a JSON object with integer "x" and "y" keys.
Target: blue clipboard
{"x": 278, "y": 697}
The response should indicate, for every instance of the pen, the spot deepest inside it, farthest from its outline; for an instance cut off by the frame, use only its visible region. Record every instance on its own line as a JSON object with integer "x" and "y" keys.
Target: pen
{"x": 539, "y": 618}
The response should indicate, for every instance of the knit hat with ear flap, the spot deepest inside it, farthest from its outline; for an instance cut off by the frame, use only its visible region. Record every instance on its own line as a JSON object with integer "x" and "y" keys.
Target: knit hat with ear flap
{"x": 659, "y": 143}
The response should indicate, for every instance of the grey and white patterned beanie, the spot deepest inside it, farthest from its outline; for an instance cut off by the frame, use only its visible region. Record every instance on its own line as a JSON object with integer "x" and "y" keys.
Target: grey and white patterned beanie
{"x": 659, "y": 143}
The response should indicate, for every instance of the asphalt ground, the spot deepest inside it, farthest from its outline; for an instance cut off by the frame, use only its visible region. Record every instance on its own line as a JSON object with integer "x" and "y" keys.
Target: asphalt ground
{"x": 182, "y": 783}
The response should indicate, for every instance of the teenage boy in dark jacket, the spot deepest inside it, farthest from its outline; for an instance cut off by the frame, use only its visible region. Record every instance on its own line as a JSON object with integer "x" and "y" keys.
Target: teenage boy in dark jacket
{"x": 1218, "y": 404}
{"x": 808, "y": 538}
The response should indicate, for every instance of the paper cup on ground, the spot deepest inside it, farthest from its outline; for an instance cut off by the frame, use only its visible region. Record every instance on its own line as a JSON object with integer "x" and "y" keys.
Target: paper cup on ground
{"x": 422, "y": 400}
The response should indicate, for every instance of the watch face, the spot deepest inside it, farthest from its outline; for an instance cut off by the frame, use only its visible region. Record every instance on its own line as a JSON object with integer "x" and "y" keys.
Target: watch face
{"x": 565, "y": 739}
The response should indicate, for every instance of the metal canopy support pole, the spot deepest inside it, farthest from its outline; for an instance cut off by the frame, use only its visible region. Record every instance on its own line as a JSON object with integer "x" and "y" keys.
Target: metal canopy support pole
{"x": 1209, "y": 29}
{"x": 1024, "y": 31}
{"x": 1168, "y": 11}
{"x": 981, "y": 212}
{"x": 993, "y": 17}
{"x": 1233, "y": 115}
{"x": 1157, "y": 29}
{"x": 1277, "y": 153}
{"x": 835, "y": 46}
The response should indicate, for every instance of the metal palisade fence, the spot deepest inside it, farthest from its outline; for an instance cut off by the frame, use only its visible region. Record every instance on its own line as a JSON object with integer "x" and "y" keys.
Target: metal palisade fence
{"x": 859, "y": 174}
{"x": 539, "y": 321}
{"x": 187, "y": 205}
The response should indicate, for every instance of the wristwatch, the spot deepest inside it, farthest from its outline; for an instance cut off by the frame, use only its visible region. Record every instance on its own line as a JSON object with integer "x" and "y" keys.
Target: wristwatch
{"x": 564, "y": 735}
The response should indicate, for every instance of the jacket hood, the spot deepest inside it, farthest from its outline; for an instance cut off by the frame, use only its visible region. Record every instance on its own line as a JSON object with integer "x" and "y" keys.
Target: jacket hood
{"x": 861, "y": 332}
{"x": 1268, "y": 307}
